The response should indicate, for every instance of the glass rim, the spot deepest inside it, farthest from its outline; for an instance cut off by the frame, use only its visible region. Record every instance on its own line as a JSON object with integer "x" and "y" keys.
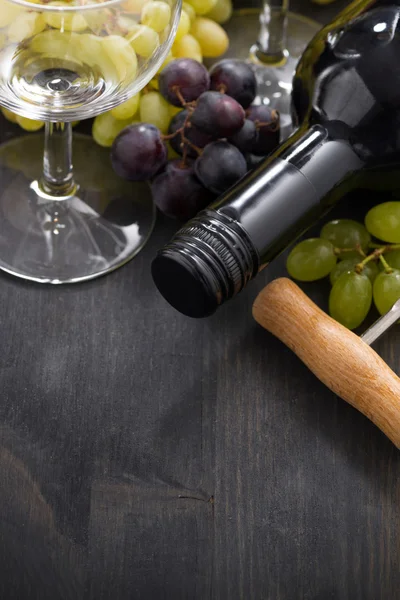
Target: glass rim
{"x": 77, "y": 9}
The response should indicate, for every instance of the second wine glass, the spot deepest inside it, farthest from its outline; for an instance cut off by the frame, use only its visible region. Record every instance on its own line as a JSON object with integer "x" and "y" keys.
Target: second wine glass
{"x": 62, "y": 62}
{"x": 272, "y": 39}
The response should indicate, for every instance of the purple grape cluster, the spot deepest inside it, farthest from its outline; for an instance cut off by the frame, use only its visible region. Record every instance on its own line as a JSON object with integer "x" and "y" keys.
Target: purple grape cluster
{"x": 216, "y": 134}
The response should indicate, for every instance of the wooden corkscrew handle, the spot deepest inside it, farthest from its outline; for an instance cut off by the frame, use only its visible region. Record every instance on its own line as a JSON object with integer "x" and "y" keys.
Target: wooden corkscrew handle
{"x": 338, "y": 357}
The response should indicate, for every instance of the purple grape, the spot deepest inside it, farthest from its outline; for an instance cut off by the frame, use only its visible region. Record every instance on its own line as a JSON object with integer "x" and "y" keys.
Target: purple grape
{"x": 235, "y": 78}
{"x": 183, "y": 78}
{"x": 138, "y": 152}
{"x": 194, "y": 135}
{"x": 267, "y": 123}
{"x": 178, "y": 193}
{"x": 218, "y": 115}
{"x": 197, "y": 137}
{"x": 220, "y": 166}
{"x": 245, "y": 139}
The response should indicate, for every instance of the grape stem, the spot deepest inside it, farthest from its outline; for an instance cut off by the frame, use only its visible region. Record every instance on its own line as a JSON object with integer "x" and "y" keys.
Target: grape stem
{"x": 185, "y": 142}
{"x": 178, "y": 93}
{"x": 189, "y": 143}
{"x": 357, "y": 248}
{"x": 184, "y": 156}
{"x": 376, "y": 254}
{"x": 387, "y": 267}
{"x": 386, "y": 247}
{"x": 181, "y": 132}
{"x": 390, "y": 247}
{"x": 274, "y": 122}
{"x": 171, "y": 136}
{"x": 373, "y": 256}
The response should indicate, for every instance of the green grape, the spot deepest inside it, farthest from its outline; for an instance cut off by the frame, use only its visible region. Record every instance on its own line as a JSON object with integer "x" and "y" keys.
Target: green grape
{"x": 188, "y": 8}
{"x": 122, "y": 25}
{"x": 350, "y": 299}
{"x": 187, "y": 47}
{"x": 29, "y": 124}
{"x": 134, "y": 6}
{"x": 154, "y": 109}
{"x": 144, "y": 40}
{"x": 173, "y": 110}
{"x": 171, "y": 152}
{"x": 105, "y": 129}
{"x": 128, "y": 109}
{"x": 169, "y": 58}
{"x": 386, "y": 290}
{"x": 202, "y": 6}
{"x": 8, "y": 12}
{"x": 54, "y": 44}
{"x": 122, "y": 55}
{"x": 156, "y": 15}
{"x": 383, "y": 221}
{"x": 346, "y": 233}
{"x": 311, "y": 260}
{"x": 100, "y": 20}
{"x": 359, "y": 256}
{"x": 90, "y": 47}
{"x": 24, "y": 26}
{"x": 183, "y": 27}
{"x": 344, "y": 266}
{"x": 10, "y": 116}
{"x": 63, "y": 20}
{"x": 393, "y": 258}
{"x": 212, "y": 38}
{"x": 222, "y": 11}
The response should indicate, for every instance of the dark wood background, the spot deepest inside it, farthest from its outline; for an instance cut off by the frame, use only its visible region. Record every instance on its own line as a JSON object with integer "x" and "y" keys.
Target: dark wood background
{"x": 147, "y": 456}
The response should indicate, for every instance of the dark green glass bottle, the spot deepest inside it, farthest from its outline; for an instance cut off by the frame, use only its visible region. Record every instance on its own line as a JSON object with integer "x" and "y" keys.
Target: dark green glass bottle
{"x": 346, "y": 101}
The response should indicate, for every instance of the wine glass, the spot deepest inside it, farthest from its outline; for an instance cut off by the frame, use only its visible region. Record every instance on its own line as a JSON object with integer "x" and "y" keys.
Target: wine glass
{"x": 273, "y": 40}
{"x": 62, "y": 62}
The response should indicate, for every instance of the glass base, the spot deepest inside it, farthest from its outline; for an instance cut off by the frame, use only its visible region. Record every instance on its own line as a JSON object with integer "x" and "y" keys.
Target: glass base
{"x": 274, "y": 80}
{"x": 96, "y": 230}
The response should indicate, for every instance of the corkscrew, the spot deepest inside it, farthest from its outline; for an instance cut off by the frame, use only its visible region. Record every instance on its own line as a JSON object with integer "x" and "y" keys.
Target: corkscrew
{"x": 343, "y": 361}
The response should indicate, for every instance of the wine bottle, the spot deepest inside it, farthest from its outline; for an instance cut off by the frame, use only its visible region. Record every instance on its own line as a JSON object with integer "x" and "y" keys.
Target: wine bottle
{"x": 346, "y": 101}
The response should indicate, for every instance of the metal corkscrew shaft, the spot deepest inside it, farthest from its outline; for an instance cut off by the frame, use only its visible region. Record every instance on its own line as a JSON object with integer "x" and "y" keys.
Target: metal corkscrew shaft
{"x": 382, "y": 324}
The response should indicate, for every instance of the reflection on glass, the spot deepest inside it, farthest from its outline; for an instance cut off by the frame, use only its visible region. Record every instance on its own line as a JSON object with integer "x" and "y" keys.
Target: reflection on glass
{"x": 62, "y": 62}
{"x": 273, "y": 40}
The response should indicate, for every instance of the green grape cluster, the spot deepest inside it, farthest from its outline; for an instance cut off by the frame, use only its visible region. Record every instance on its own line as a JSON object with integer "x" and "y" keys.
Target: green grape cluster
{"x": 199, "y": 35}
{"x": 361, "y": 260}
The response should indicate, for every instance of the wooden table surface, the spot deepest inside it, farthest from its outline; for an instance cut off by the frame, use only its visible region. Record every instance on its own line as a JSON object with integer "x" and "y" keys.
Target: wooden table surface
{"x": 147, "y": 456}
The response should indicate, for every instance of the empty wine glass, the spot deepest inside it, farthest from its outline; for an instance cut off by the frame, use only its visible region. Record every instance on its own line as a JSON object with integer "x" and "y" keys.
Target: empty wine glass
{"x": 273, "y": 40}
{"x": 60, "y": 62}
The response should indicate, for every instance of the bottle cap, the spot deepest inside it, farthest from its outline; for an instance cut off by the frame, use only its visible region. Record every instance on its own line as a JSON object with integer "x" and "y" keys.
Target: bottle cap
{"x": 185, "y": 282}
{"x": 207, "y": 262}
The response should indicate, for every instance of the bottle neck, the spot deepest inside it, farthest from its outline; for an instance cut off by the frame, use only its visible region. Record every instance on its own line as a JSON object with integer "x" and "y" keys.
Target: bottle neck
{"x": 213, "y": 257}
{"x": 290, "y": 190}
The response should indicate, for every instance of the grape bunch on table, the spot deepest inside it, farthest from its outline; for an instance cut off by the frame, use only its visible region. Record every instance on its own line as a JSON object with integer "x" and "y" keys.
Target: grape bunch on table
{"x": 212, "y": 141}
{"x": 362, "y": 262}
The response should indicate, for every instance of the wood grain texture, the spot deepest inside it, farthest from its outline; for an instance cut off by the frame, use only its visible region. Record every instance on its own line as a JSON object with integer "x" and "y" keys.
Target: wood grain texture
{"x": 179, "y": 459}
{"x": 338, "y": 357}
{"x": 148, "y": 456}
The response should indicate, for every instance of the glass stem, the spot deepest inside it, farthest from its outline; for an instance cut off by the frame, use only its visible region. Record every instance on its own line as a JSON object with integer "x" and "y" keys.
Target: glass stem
{"x": 271, "y": 43}
{"x": 57, "y": 179}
